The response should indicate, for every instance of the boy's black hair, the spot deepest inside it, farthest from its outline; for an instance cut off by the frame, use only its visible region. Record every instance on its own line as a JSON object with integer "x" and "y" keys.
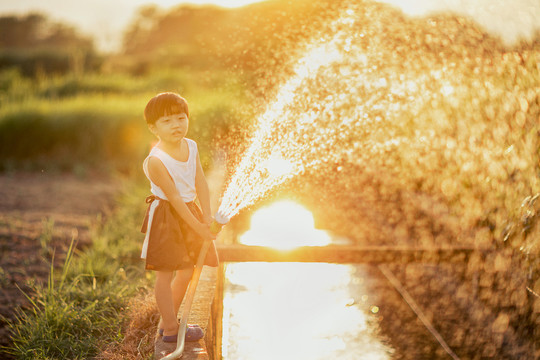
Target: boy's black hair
{"x": 166, "y": 103}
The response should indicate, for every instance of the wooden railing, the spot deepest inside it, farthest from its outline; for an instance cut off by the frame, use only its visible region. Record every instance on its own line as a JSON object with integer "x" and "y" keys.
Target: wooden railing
{"x": 346, "y": 254}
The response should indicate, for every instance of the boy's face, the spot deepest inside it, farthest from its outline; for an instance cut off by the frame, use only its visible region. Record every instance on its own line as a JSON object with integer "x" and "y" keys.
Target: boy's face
{"x": 172, "y": 128}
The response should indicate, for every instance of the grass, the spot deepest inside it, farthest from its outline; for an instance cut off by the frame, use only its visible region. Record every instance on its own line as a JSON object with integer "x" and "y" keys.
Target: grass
{"x": 96, "y": 120}
{"x": 59, "y": 319}
{"x": 46, "y": 237}
{"x": 78, "y": 130}
{"x": 83, "y": 308}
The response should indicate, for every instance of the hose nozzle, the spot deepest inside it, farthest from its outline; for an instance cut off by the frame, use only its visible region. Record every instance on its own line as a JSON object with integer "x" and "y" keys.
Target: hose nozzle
{"x": 218, "y": 223}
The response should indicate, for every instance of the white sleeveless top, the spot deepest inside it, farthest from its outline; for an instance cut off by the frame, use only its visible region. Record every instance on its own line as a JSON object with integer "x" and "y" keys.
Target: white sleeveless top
{"x": 183, "y": 174}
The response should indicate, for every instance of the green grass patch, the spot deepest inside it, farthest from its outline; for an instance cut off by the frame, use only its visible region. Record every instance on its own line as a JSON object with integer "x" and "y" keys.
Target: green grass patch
{"x": 92, "y": 130}
{"x": 96, "y": 121}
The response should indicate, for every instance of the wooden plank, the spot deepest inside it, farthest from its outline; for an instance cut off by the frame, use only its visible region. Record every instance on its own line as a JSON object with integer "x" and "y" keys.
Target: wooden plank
{"x": 344, "y": 254}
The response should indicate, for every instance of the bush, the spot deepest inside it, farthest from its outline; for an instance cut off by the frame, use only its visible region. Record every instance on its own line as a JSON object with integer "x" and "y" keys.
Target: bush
{"x": 33, "y": 63}
{"x": 93, "y": 131}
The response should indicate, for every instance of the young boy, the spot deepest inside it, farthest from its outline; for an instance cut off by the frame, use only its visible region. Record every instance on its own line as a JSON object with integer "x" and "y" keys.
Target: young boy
{"x": 175, "y": 226}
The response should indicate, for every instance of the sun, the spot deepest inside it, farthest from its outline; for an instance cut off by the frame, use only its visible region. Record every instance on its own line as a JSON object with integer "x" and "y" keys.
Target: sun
{"x": 284, "y": 225}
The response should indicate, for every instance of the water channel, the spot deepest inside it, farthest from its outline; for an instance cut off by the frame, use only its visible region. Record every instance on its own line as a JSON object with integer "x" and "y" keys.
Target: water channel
{"x": 298, "y": 310}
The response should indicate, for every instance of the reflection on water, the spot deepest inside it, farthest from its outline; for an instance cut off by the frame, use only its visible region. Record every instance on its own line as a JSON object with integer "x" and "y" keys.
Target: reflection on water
{"x": 298, "y": 311}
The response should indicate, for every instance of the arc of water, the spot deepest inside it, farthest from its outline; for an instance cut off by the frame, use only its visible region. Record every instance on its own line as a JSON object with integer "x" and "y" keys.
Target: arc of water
{"x": 319, "y": 54}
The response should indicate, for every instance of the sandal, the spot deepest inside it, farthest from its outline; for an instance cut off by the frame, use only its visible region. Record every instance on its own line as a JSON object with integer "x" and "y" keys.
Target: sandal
{"x": 160, "y": 331}
{"x": 192, "y": 334}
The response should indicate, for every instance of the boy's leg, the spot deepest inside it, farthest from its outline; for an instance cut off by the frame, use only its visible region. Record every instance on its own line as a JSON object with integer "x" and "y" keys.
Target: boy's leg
{"x": 164, "y": 300}
{"x": 179, "y": 287}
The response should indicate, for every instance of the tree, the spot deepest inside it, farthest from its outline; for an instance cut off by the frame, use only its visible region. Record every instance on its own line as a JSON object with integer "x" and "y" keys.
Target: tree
{"x": 32, "y": 43}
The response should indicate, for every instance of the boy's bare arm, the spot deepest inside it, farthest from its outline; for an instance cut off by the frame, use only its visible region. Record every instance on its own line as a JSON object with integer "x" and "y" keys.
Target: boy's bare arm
{"x": 203, "y": 192}
{"x": 160, "y": 176}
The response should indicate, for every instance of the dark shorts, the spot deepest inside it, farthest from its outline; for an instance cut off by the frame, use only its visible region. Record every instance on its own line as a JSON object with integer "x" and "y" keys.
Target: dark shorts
{"x": 173, "y": 244}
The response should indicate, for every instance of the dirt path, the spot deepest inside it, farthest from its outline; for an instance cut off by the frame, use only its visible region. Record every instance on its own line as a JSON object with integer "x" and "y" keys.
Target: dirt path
{"x": 41, "y": 213}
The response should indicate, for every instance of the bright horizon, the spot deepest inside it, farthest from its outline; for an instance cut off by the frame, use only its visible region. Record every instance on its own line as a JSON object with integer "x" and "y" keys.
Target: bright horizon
{"x": 106, "y": 20}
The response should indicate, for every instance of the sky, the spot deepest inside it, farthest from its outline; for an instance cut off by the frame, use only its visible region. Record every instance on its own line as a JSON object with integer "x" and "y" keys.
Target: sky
{"x": 106, "y": 20}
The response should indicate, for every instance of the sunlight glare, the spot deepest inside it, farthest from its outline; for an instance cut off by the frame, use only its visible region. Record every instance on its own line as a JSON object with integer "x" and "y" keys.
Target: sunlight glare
{"x": 284, "y": 225}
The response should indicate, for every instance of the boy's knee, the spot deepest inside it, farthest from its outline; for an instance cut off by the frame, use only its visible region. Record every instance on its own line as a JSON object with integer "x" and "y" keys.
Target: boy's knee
{"x": 164, "y": 275}
{"x": 184, "y": 274}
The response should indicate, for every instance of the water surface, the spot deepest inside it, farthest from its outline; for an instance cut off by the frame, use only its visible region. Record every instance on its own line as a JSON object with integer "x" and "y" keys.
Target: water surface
{"x": 299, "y": 311}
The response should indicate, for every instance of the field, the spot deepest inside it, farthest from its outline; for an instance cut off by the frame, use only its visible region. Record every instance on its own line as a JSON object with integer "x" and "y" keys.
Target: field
{"x": 38, "y": 217}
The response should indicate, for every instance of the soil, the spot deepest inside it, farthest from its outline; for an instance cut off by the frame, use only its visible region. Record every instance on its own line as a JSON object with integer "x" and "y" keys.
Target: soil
{"x": 40, "y": 213}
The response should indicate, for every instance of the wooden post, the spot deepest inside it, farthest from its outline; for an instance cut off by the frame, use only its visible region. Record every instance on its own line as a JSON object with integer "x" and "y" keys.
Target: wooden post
{"x": 214, "y": 331}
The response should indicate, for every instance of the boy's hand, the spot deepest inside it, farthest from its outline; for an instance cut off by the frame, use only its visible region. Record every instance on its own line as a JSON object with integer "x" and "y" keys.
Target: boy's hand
{"x": 204, "y": 231}
{"x": 208, "y": 219}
